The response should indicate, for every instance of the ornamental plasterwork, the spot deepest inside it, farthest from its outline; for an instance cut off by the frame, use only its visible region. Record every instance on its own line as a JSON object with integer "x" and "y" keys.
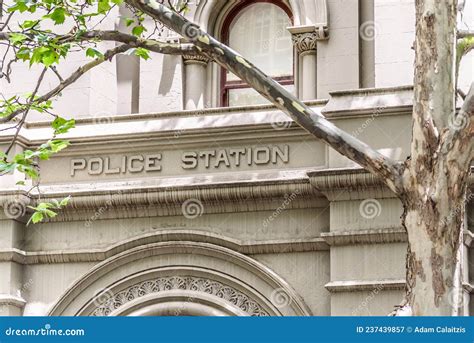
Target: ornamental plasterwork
{"x": 305, "y": 37}
{"x": 188, "y": 283}
{"x": 305, "y": 41}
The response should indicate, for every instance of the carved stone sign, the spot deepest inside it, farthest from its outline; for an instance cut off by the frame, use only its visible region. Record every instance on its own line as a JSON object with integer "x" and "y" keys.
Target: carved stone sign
{"x": 207, "y": 159}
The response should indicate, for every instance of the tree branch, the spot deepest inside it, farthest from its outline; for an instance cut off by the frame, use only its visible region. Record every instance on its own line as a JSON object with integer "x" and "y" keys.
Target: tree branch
{"x": 26, "y": 110}
{"x": 71, "y": 79}
{"x": 465, "y": 33}
{"x": 121, "y": 37}
{"x": 388, "y": 169}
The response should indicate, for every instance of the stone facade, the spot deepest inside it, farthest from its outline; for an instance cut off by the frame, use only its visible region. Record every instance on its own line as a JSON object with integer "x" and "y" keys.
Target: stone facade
{"x": 188, "y": 208}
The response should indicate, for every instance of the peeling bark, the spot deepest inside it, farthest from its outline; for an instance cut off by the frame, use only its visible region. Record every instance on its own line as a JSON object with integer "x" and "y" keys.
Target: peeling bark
{"x": 435, "y": 178}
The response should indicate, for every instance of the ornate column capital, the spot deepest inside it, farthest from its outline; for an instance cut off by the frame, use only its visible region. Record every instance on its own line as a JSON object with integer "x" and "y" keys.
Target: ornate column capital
{"x": 196, "y": 59}
{"x": 305, "y": 37}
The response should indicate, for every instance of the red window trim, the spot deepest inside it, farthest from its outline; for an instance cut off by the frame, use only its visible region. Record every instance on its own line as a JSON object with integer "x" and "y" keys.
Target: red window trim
{"x": 238, "y": 84}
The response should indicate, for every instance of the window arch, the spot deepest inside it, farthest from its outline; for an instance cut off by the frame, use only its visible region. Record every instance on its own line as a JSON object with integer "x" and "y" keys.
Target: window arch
{"x": 258, "y": 30}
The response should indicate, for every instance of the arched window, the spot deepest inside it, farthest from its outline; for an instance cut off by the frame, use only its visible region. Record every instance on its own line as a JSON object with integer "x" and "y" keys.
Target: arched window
{"x": 258, "y": 31}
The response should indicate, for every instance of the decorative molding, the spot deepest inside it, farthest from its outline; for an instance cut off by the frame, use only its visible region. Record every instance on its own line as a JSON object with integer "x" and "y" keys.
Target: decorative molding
{"x": 242, "y": 272}
{"x": 322, "y": 32}
{"x": 365, "y": 285}
{"x": 370, "y": 101}
{"x": 371, "y": 236}
{"x": 196, "y": 59}
{"x": 220, "y": 194}
{"x": 188, "y": 283}
{"x": 341, "y": 184}
{"x": 305, "y": 42}
{"x": 11, "y": 300}
{"x": 175, "y": 235}
{"x": 305, "y": 37}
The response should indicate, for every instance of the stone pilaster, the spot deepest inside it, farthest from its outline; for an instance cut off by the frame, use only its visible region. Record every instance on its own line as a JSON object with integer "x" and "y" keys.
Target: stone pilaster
{"x": 305, "y": 39}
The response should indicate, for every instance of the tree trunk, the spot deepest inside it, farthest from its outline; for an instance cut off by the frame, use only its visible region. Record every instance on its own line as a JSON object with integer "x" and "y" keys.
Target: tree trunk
{"x": 434, "y": 226}
{"x": 435, "y": 178}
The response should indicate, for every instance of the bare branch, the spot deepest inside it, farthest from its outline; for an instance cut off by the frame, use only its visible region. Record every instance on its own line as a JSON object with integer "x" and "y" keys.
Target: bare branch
{"x": 71, "y": 79}
{"x": 465, "y": 33}
{"x": 316, "y": 124}
{"x": 26, "y": 110}
{"x": 121, "y": 37}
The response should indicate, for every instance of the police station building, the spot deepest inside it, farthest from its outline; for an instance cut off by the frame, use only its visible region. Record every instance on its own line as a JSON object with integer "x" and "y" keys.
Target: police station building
{"x": 192, "y": 195}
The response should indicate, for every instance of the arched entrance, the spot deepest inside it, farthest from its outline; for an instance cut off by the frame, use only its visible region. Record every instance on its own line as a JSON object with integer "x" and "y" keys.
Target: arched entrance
{"x": 179, "y": 278}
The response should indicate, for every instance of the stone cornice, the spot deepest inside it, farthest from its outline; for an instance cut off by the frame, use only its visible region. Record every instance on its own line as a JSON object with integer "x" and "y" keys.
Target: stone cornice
{"x": 371, "y": 236}
{"x": 371, "y": 101}
{"x": 340, "y": 184}
{"x": 164, "y": 197}
{"x": 365, "y": 285}
{"x": 376, "y": 285}
{"x": 11, "y": 300}
{"x": 175, "y": 235}
{"x": 206, "y": 122}
{"x": 348, "y": 184}
{"x": 376, "y": 236}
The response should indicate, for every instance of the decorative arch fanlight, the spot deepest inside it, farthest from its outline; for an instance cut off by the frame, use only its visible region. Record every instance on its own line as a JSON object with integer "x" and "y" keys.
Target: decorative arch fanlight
{"x": 257, "y": 29}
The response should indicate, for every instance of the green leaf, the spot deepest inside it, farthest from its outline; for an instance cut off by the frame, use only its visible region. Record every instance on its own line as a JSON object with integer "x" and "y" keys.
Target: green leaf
{"x": 17, "y": 38}
{"x": 49, "y": 58}
{"x": 61, "y": 125}
{"x": 36, "y": 217}
{"x": 20, "y": 183}
{"x": 117, "y": 2}
{"x": 27, "y": 24}
{"x": 129, "y": 21}
{"x": 138, "y": 30}
{"x": 20, "y": 6}
{"x": 90, "y": 52}
{"x": 58, "y": 15}
{"x": 143, "y": 53}
{"x": 65, "y": 201}
{"x": 103, "y": 6}
{"x": 23, "y": 54}
{"x": 58, "y": 144}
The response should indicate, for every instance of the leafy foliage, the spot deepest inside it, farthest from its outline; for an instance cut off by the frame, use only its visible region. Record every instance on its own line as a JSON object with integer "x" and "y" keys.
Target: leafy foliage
{"x": 47, "y": 210}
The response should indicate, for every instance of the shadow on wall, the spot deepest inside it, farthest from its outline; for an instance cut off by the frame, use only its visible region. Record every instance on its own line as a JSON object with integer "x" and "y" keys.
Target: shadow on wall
{"x": 168, "y": 68}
